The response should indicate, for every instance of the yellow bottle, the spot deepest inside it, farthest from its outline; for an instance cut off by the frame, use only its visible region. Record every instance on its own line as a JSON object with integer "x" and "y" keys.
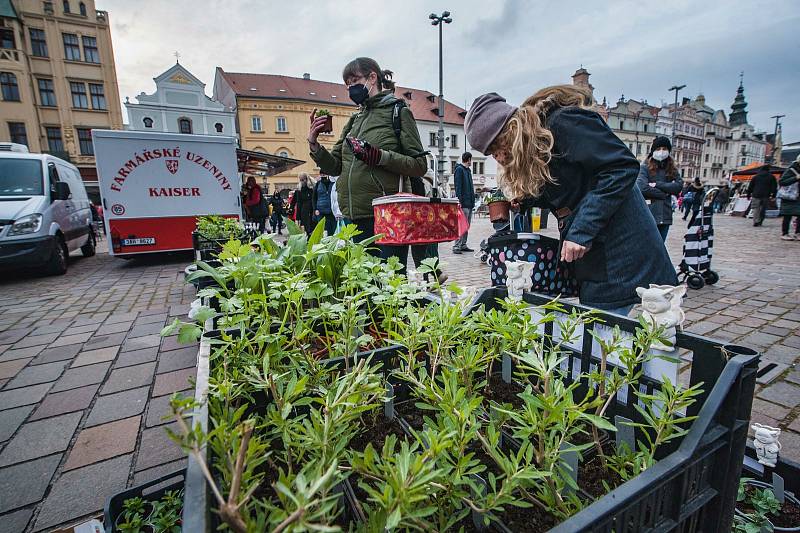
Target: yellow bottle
{"x": 536, "y": 219}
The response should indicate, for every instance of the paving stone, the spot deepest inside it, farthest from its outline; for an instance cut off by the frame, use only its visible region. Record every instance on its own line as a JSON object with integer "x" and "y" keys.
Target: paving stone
{"x": 769, "y": 409}
{"x": 34, "y": 375}
{"x": 26, "y": 483}
{"x": 781, "y": 393}
{"x": 60, "y": 353}
{"x": 793, "y": 341}
{"x": 9, "y": 369}
{"x": 40, "y": 438}
{"x": 146, "y": 329}
{"x": 36, "y": 340}
{"x": 174, "y": 381}
{"x": 102, "y": 442}
{"x": 95, "y": 356}
{"x": 16, "y": 521}
{"x": 118, "y": 406}
{"x": 177, "y": 359}
{"x": 116, "y": 318}
{"x": 157, "y": 448}
{"x": 157, "y": 318}
{"x": 83, "y": 491}
{"x": 10, "y": 336}
{"x": 119, "y": 327}
{"x": 22, "y": 353}
{"x": 795, "y": 425}
{"x": 81, "y": 376}
{"x": 758, "y": 338}
{"x": 158, "y": 472}
{"x": 57, "y": 403}
{"x": 66, "y": 340}
{"x": 129, "y": 377}
{"x": 11, "y": 419}
{"x": 24, "y": 396}
{"x": 136, "y": 357}
{"x": 104, "y": 341}
{"x": 148, "y": 341}
{"x": 783, "y": 354}
{"x": 52, "y": 328}
{"x": 159, "y": 408}
{"x": 171, "y": 343}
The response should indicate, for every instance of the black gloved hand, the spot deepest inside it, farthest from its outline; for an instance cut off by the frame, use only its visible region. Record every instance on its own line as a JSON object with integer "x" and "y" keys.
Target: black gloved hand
{"x": 364, "y": 151}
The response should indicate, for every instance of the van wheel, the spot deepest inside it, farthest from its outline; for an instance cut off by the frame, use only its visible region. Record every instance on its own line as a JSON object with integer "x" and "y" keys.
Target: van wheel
{"x": 58, "y": 260}
{"x": 89, "y": 249}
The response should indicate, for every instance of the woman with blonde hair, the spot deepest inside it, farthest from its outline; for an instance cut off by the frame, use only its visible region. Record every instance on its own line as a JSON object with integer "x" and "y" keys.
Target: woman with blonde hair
{"x": 555, "y": 150}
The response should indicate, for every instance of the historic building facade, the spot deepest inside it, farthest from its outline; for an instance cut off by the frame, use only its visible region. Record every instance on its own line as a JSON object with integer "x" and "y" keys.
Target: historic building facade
{"x": 180, "y": 105}
{"x": 272, "y": 116}
{"x": 634, "y": 123}
{"x": 716, "y": 164}
{"x": 58, "y": 78}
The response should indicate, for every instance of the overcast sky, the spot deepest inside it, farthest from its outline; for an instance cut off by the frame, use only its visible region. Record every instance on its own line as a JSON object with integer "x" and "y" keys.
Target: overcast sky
{"x": 636, "y": 48}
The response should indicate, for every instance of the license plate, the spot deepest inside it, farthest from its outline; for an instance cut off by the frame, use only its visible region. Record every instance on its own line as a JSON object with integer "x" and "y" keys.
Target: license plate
{"x": 144, "y": 241}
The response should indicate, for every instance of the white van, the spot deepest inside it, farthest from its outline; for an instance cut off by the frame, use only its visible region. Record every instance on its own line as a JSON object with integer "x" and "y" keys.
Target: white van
{"x": 44, "y": 211}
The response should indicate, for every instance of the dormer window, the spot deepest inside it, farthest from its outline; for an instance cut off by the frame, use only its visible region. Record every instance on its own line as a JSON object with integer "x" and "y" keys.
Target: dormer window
{"x": 407, "y": 95}
{"x": 431, "y": 98}
{"x": 148, "y": 122}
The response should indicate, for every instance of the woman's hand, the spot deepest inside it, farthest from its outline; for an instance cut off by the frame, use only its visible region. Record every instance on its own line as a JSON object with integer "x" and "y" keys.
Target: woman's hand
{"x": 572, "y": 251}
{"x": 317, "y": 125}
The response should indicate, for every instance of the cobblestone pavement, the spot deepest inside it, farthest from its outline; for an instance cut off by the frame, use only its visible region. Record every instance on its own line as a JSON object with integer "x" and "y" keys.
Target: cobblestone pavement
{"x": 84, "y": 376}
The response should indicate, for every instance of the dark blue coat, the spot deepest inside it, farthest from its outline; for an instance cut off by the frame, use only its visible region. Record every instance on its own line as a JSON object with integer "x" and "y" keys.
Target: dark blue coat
{"x": 465, "y": 189}
{"x": 659, "y": 197}
{"x": 596, "y": 179}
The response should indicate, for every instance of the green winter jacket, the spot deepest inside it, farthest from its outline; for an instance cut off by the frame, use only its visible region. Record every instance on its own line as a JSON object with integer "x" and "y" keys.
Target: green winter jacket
{"x": 359, "y": 184}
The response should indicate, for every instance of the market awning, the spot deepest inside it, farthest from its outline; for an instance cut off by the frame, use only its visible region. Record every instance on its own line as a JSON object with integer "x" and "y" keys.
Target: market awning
{"x": 262, "y": 164}
{"x": 747, "y": 172}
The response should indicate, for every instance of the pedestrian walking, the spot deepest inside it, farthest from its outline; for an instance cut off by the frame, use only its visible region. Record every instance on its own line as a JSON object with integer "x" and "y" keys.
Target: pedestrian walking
{"x": 322, "y": 203}
{"x": 379, "y": 145}
{"x": 276, "y": 218}
{"x": 303, "y": 204}
{"x": 255, "y": 203}
{"x": 465, "y": 192}
{"x": 693, "y": 198}
{"x": 790, "y": 202}
{"x": 722, "y": 198}
{"x": 556, "y": 151}
{"x": 659, "y": 180}
{"x": 763, "y": 187}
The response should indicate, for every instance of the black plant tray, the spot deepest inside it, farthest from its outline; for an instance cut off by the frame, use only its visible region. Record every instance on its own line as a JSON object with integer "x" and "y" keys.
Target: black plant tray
{"x": 114, "y": 505}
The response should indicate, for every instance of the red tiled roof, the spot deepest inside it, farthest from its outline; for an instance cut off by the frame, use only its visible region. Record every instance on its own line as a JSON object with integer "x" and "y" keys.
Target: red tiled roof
{"x": 423, "y": 104}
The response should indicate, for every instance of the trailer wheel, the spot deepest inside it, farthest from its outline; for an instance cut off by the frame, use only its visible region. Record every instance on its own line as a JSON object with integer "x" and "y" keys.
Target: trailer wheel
{"x": 710, "y": 277}
{"x": 695, "y": 281}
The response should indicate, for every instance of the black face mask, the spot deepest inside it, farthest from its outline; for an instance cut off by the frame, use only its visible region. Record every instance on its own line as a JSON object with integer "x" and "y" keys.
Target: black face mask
{"x": 358, "y": 93}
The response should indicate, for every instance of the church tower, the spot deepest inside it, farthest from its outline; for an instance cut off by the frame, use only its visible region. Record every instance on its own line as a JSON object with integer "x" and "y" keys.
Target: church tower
{"x": 738, "y": 114}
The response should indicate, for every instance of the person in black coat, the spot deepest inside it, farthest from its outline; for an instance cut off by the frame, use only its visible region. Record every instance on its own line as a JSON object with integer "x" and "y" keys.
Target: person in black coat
{"x": 659, "y": 180}
{"x": 303, "y": 202}
{"x": 557, "y": 151}
{"x": 276, "y": 218}
{"x": 763, "y": 187}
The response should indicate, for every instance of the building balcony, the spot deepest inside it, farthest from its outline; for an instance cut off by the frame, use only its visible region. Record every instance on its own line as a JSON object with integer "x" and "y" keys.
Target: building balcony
{"x": 102, "y": 16}
{"x": 61, "y": 154}
{"x": 12, "y": 54}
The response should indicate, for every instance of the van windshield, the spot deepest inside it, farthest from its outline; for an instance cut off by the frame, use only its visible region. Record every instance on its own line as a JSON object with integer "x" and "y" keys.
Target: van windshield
{"x": 21, "y": 177}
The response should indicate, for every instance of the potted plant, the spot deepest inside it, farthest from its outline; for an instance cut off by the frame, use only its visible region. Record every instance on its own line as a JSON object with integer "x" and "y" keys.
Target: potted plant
{"x": 757, "y": 509}
{"x": 499, "y": 206}
{"x": 328, "y": 120}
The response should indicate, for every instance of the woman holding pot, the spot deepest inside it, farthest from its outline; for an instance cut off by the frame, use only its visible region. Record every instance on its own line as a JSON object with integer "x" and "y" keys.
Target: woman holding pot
{"x": 369, "y": 157}
{"x": 659, "y": 180}
{"x": 558, "y": 152}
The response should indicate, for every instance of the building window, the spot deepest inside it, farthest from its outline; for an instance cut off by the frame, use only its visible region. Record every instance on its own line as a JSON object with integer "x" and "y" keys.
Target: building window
{"x": 9, "y": 87}
{"x": 622, "y": 124}
{"x": 72, "y": 52}
{"x": 638, "y": 149}
{"x": 453, "y": 167}
{"x": 17, "y": 133}
{"x": 645, "y": 128}
{"x": 184, "y": 125}
{"x": 54, "y": 142}
{"x": 480, "y": 167}
{"x": 454, "y": 141}
{"x": 255, "y": 124}
{"x": 66, "y": 6}
{"x": 744, "y": 160}
{"x": 433, "y": 164}
{"x": 78, "y": 90}
{"x": 281, "y": 124}
{"x": 82, "y": 8}
{"x": 38, "y": 43}
{"x": 85, "y": 141}
{"x": 98, "y": 96}
{"x": 432, "y": 141}
{"x": 148, "y": 122}
{"x": 47, "y": 95}
{"x": 218, "y": 127}
{"x": 474, "y": 167}
{"x": 725, "y": 160}
{"x": 705, "y": 172}
{"x": 283, "y": 153}
{"x": 90, "y": 52}
{"x": 7, "y": 38}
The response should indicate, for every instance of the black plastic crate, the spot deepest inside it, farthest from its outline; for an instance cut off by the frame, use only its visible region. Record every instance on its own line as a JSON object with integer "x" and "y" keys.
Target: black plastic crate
{"x": 209, "y": 248}
{"x": 114, "y": 505}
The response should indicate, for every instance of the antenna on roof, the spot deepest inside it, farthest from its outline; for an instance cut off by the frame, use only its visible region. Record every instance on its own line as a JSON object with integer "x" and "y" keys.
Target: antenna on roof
{"x": 177, "y": 56}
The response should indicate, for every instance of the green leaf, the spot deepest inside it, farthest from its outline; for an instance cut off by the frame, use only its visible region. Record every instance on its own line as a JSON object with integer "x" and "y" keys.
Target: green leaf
{"x": 393, "y": 519}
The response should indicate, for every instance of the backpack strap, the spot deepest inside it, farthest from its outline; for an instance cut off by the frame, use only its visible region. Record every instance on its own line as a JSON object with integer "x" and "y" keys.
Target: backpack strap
{"x": 396, "y": 122}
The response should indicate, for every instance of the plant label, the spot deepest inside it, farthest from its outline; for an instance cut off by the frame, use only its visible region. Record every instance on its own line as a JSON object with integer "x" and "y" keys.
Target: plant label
{"x": 477, "y": 518}
{"x": 506, "y": 368}
{"x": 570, "y": 464}
{"x": 624, "y": 432}
{"x": 388, "y": 404}
{"x": 778, "y": 488}
{"x": 565, "y": 331}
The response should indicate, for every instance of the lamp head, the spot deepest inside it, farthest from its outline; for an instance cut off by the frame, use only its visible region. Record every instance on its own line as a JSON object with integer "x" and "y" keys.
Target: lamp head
{"x": 432, "y": 16}
{"x": 445, "y": 14}
{"x": 448, "y": 20}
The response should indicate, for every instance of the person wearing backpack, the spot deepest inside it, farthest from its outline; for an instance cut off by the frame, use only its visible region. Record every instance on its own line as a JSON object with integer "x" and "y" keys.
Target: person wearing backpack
{"x": 321, "y": 200}
{"x": 790, "y": 201}
{"x": 370, "y": 157}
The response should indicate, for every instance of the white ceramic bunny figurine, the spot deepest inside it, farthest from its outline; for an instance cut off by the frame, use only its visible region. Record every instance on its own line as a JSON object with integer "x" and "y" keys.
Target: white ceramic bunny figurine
{"x": 765, "y": 441}
{"x": 519, "y": 278}
{"x": 661, "y": 305}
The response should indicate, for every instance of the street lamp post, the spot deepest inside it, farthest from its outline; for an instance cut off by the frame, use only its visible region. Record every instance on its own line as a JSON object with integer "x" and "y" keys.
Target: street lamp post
{"x": 675, "y": 88}
{"x": 440, "y": 20}
{"x": 775, "y": 137}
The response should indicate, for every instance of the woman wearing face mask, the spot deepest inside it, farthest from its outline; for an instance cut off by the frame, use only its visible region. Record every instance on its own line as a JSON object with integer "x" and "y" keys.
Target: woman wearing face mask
{"x": 370, "y": 157}
{"x": 659, "y": 180}
{"x": 556, "y": 151}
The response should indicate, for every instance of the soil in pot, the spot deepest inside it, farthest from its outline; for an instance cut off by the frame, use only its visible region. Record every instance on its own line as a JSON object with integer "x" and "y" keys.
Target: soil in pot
{"x": 502, "y": 392}
{"x": 592, "y": 473}
{"x": 527, "y": 520}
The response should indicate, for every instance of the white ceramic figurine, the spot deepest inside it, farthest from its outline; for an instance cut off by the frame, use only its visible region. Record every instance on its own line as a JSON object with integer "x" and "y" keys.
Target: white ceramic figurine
{"x": 765, "y": 441}
{"x": 519, "y": 278}
{"x": 661, "y": 305}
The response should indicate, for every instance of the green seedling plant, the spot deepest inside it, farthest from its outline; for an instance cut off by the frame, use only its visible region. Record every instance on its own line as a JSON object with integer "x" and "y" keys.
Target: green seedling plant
{"x": 219, "y": 227}
{"x": 763, "y": 503}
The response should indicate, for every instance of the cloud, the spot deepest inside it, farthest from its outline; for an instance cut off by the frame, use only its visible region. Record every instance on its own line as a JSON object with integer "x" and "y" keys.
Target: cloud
{"x": 513, "y": 47}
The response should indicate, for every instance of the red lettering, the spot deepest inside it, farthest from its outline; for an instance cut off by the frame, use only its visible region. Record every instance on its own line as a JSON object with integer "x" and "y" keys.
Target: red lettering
{"x": 115, "y": 187}
{"x": 195, "y": 191}
{"x": 152, "y": 191}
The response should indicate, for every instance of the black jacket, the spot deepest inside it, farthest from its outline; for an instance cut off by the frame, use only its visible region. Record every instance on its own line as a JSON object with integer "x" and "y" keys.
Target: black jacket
{"x": 660, "y": 196}
{"x": 277, "y": 205}
{"x": 763, "y": 185}
{"x": 465, "y": 189}
{"x": 596, "y": 179}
